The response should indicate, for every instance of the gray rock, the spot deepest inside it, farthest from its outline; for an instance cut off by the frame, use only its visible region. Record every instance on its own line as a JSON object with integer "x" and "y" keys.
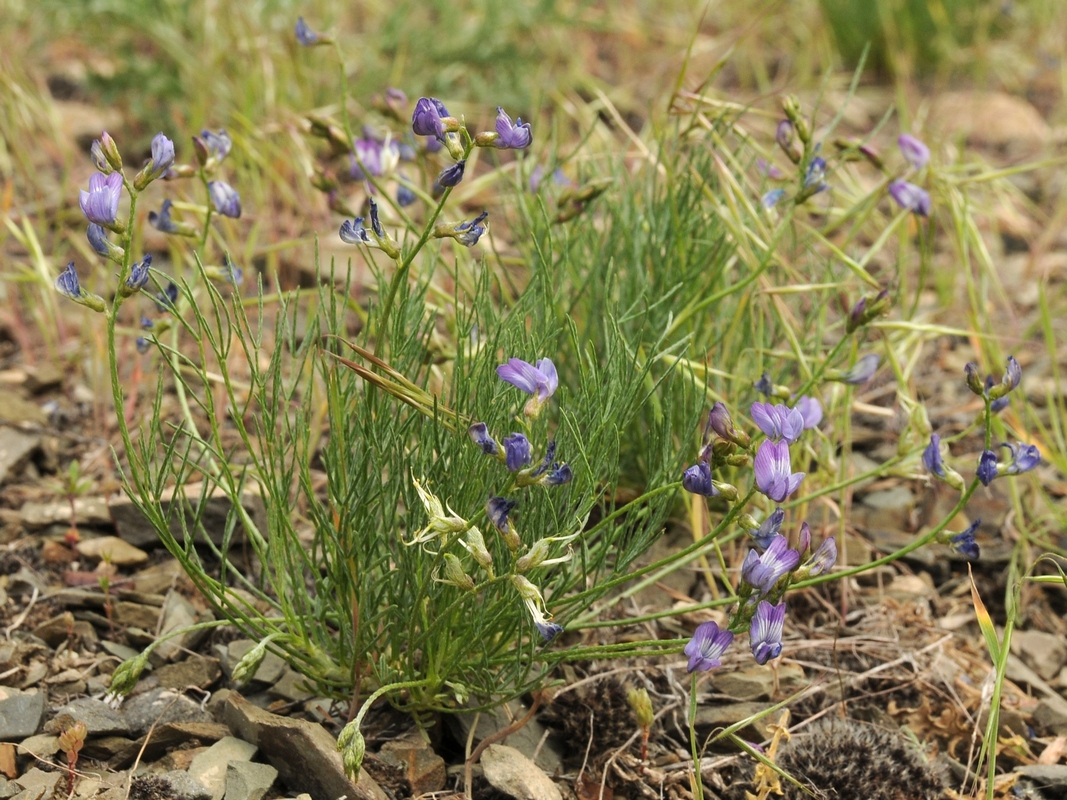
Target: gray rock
{"x": 305, "y": 755}
{"x": 111, "y": 548}
{"x": 99, "y": 718}
{"x": 1051, "y": 714}
{"x": 42, "y": 746}
{"x": 1044, "y": 653}
{"x": 136, "y": 615}
{"x": 210, "y": 766}
{"x": 88, "y": 511}
{"x": 248, "y": 781}
{"x": 512, "y": 773}
{"x": 270, "y": 671}
{"x": 37, "y": 784}
{"x": 56, "y": 630}
{"x": 1046, "y": 776}
{"x": 159, "y": 707}
{"x": 21, "y": 713}
{"x": 185, "y": 786}
{"x": 198, "y": 671}
{"x": 168, "y": 738}
{"x": 14, "y": 410}
{"x": 15, "y": 447}
{"x": 135, "y": 528}
{"x": 526, "y": 740}
{"x": 177, "y": 613}
{"x": 104, "y": 748}
{"x": 119, "y": 650}
{"x": 424, "y": 769}
{"x": 292, "y": 686}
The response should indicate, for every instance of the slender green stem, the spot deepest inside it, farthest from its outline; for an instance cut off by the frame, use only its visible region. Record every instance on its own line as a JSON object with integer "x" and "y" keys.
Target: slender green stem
{"x": 698, "y": 780}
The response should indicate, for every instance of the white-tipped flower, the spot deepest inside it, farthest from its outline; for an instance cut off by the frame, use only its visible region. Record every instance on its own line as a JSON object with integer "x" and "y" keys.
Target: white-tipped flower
{"x": 535, "y": 604}
{"x": 475, "y": 544}
{"x": 440, "y": 524}
{"x": 352, "y": 747}
{"x": 124, "y": 678}
{"x": 249, "y": 664}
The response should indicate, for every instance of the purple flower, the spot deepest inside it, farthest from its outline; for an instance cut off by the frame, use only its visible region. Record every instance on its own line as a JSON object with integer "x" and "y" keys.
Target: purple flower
{"x": 138, "y": 277}
{"x": 762, "y": 572}
{"x": 932, "y": 456}
{"x": 720, "y": 421}
{"x": 987, "y": 467}
{"x": 1024, "y": 457}
{"x": 367, "y": 156}
{"x": 771, "y": 198}
{"x": 768, "y": 529}
{"x": 769, "y": 169}
{"x": 427, "y": 116}
{"x": 998, "y": 405}
{"x": 540, "y": 380}
{"x": 823, "y": 558}
{"x": 162, "y": 221}
{"x": 479, "y": 433}
{"x": 166, "y": 299}
{"x": 511, "y": 136}
{"x": 470, "y": 232}
{"x": 863, "y": 370}
{"x": 706, "y": 647}
{"x": 404, "y": 195}
{"x": 774, "y": 475}
{"x": 915, "y": 152}
{"x": 697, "y": 480}
{"x": 549, "y": 630}
{"x": 764, "y": 385}
{"x": 557, "y": 476}
{"x": 225, "y": 199}
{"x": 451, "y": 176}
{"x": 815, "y": 174}
{"x": 778, "y": 421}
{"x": 67, "y": 283}
{"x": 101, "y": 203}
{"x": 783, "y": 134}
{"x": 810, "y": 411}
{"x": 498, "y": 509}
{"x": 304, "y": 34}
{"x": 98, "y": 239}
{"x": 162, "y": 154}
{"x": 964, "y": 543}
{"x": 765, "y": 634}
{"x": 353, "y": 232}
{"x": 141, "y": 343}
{"x": 217, "y": 144}
{"x": 910, "y": 197}
{"x": 517, "y": 452}
{"x": 804, "y": 538}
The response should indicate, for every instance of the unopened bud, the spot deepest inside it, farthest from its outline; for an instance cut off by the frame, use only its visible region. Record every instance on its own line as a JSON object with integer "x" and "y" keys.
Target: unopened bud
{"x": 641, "y": 704}
{"x": 250, "y": 662}
{"x": 110, "y": 151}
{"x": 353, "y": 747}
{"x": 537, "y": 554}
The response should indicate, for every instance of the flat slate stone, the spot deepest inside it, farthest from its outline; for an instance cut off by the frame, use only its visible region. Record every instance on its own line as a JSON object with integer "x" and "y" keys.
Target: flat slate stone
{"x": 210, "y": 766}
{"x": 99, "y": 718}
{"x": 21, "y": 713}
{"x": 15, "y": 446}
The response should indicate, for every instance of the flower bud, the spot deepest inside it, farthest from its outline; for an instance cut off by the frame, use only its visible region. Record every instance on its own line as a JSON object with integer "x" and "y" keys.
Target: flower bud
{"x": 110, "y": 151}
{"x": 641, "y": 704}
{"x": 455, "y": 575}
{"x": 250, "y": 662}
{"x": 537, "y": 554}
{"x": 352, "y": 747}
{"x": 125, "y": 676}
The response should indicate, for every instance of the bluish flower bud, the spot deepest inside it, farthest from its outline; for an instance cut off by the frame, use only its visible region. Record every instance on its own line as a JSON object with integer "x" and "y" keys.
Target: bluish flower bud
{"x": 764, "y": 385}
{"x": 557, "y": 476}
{"x": 721, "y": 422}
{"x": 814, "y": 176}
{"x": 963, "y": 542}
{"x": 987, "y": 467}
{"x": 166, "y": 299}
{"x": 862, "y": 372}
{"x": 697, "y": 480}
{"x": 764, "y": 534}
{"x": 97, "y": 237}
{"x": 498, "y": 509}
{"x": 517, "y": 453}
{"x": 428, "y": 118}
{"x": 509, "y": 135}
{"x": 162, "y": 159}
{"x": 451, "y": 176}
{"x": 164, "y": 222}
{"x": 479, "y": 433}
{"x": 784, "y": 135}
{"x": 466, "y": 233}
{"x": 910, "y": 197}
{"x": 217, "y": 145}
{"x": 1013, "y": 374}
{"x": 68, "y": 285}
{"x": 308, "y": 37}
{"x": 138, "y": 277}
{"x": 771, "y": 198}
{"x": 404, "y": 195}
{"x": 96, "y": 155}
{"x": 108, "y": 150}
{"x": 225, "y": 199}
{"x": 915, "y": 152}
{"x": 1024, "y": 457}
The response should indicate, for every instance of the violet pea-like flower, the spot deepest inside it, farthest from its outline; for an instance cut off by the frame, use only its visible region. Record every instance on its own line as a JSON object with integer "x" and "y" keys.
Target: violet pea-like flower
{"x": 706, "y": 647}
{"x": 910, "y": 197}
{"x": 765, "y": 633}
{"x": 1024, "y": 457}
{"x": 814, "y": 177}
{"x": 162, "y": 154}
{"x": 932, "y": 457}
{"x": 915, "y": 152}
{"x": 479, "y": 433}
{"x": 517, "y": 452}
{"x": 964, "y": 543}
{"x": 427, "y": 116}
{"x": 774, "y": 476}
{"x": 304, "y": 34}
{"x": 770, "y": 199}
{"x": 810, "y": 411}
{"x": 451, "y": 176}
{"x": 763, "y": 571}
{"x": 101, "y": 203}
{"x": 778, "y": 421}
{"x": 987, "y": 467}
{"x": 511, "y": 135}
{"x": 468, "y": 233}
{"x": 98, "y": 239}
{"x": 824, "y": 557}
{"x": 697, "y": 480}
{"x": 540, "y": 380}
{"x": 863, "y": 370}
{"x": 138, "y": 277}
{"x": 67, "y": 284}
{"x": 768, "y": 529}
{"x": 225, "y": 199}
{"x": 498, "y": 509}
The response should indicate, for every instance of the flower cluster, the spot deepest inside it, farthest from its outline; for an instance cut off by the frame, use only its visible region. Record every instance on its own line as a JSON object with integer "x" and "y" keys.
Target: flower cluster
{"x": 100, "y": 205}
{"x": 515, "y": 453}
{"x": 907, "y": 195}
{"x": 1021, "y": 457}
